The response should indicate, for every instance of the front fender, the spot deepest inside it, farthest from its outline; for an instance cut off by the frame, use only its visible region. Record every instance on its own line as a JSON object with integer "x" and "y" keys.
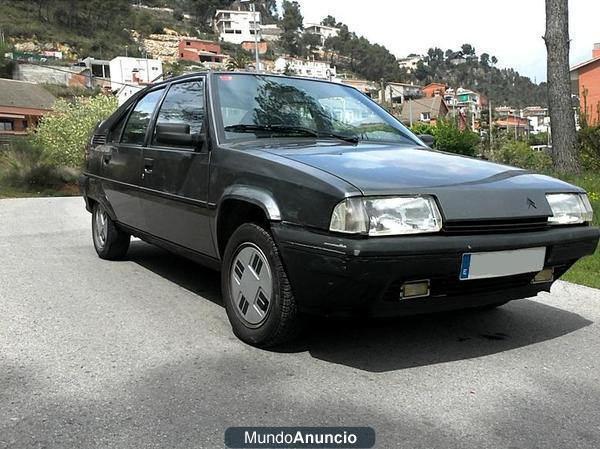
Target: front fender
{"x": 255, "y": 195}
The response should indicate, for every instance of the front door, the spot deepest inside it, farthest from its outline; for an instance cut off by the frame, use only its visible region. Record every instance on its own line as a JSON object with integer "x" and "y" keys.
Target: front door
{"x": 122, "y": 164}
{"x": 175, "y": 178}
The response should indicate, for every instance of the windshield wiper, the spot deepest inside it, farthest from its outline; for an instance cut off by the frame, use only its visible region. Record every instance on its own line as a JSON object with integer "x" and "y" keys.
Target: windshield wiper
{"x": 241, "y": 128}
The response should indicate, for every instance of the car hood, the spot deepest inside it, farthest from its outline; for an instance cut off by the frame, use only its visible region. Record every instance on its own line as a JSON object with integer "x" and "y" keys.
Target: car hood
{"x": 466, "y": 188}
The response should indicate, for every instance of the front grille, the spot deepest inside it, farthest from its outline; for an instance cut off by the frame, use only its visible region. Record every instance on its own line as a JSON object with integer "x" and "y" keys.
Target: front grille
{"x": 98, "y": 139}
{"x": 496, "y": 226}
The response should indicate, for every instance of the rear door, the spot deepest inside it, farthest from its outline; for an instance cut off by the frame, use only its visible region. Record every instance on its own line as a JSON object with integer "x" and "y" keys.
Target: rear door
{"x": 122, "y": 164}
{"x": 176, "y": 174}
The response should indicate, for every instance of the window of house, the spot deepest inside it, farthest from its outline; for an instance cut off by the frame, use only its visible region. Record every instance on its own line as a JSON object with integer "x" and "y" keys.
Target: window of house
{"x": 6, "y": 125}
{"x": 184, "y": 105}
{"x": 425, "y": 116}
{"x": 139, "y": 119}
{"x": 188, "y": 43}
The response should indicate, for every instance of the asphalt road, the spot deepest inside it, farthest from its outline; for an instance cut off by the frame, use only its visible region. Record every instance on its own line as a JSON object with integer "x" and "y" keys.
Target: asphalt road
{"x": 139, "y": 354}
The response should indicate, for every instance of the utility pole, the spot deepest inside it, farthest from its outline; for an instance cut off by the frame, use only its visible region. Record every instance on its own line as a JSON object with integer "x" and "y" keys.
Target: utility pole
{"x": 490, "y": 121}
{"x": 253, "y": 9}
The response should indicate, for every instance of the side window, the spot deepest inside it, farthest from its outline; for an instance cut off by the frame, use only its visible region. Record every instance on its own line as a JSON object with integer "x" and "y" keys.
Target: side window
{"x": 115, "y": 132}
{"x": 135, "y": 130}
{"x": 182, "y": 110}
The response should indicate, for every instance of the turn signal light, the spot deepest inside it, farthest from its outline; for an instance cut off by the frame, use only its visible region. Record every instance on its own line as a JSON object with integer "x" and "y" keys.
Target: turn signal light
{"x": 415, "y": 289}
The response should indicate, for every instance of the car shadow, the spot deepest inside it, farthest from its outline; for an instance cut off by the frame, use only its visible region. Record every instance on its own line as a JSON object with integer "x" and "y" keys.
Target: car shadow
{"x": 380, "y": 345}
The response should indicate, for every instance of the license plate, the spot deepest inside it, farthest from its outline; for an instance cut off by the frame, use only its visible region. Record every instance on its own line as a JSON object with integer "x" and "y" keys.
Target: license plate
{"x": 502, "y": 263}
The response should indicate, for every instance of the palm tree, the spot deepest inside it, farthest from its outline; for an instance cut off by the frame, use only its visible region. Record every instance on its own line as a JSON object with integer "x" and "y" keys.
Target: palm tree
{"x": 239, "y": 61}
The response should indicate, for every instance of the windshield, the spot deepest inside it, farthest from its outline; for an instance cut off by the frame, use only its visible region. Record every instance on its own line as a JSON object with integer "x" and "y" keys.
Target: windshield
{"x": 262, "y": 106}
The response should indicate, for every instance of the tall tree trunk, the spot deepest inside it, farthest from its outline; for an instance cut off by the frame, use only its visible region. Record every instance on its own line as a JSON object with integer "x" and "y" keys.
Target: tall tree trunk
{"x": 564, "y": 137}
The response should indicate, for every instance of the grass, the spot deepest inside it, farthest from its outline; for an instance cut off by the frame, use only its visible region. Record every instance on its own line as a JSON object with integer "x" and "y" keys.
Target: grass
{"x": 587, "y": 270}
{"x": 15, "y": 192}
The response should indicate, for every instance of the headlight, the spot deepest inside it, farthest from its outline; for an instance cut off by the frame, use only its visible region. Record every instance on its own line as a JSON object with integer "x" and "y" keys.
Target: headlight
{"x": 569, "y": 208}
{"x": 387, "y": 216}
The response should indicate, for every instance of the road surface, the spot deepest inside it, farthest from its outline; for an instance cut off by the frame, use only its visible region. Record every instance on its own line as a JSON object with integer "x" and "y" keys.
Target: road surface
{"x": 139, "y": 354}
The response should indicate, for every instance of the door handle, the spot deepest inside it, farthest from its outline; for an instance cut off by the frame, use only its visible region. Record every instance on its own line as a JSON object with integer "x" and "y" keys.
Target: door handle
{"x": 148, "y": 165}
{"x": 106, "y": 158}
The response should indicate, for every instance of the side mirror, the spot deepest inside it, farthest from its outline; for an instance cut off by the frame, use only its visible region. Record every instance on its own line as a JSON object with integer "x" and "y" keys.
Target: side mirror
{"x": 177, "y": 134}
{"x": 427, "y": 139}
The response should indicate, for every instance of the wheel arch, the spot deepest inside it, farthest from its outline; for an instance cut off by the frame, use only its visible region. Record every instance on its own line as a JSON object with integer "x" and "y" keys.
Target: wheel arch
{"x": 243, "y": 204}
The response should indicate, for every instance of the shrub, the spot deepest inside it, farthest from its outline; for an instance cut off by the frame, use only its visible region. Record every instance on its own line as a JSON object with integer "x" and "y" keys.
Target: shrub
{"x": 520, "y": 154}
{"x": 589, "y": 147}
{"x": 25, "y": 165}
{"x": 63, "y": 134}
{"x": 449, "y": 137}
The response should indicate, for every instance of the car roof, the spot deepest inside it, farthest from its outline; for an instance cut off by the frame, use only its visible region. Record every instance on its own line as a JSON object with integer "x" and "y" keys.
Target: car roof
{"x": 240, "y": 72}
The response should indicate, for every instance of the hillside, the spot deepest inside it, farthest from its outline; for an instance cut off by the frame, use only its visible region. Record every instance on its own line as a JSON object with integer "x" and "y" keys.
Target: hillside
{"x": 106, "y": 28}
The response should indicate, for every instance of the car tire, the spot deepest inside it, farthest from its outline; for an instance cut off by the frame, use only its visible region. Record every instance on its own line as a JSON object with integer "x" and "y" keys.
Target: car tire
{"x": 258, "y": 296}
{"x": 110, "y": 242}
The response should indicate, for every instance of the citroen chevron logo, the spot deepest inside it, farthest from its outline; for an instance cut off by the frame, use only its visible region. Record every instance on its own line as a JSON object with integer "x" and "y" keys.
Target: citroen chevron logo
{"x": 531, "y": 203}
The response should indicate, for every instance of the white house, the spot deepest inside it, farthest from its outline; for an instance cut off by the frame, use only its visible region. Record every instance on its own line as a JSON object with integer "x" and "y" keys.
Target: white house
{"x": 306, "y": 68}
{"x": 237, "y": 26}
{"x": 134, "y": 71}
{"x": 129, "y": 75}
{"x": 323, "y": 31}
{"x": 410, "y": 62}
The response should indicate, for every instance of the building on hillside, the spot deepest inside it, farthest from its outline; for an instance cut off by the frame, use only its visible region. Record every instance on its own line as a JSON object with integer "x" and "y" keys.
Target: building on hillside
{"x": 270, "y": 32}
{"x": 72, "y": 76}
{"x": 434, "y": 89}
{"x": 410, "y": 62}
{"x": 425, "y": 110}
{"x": 305, "y": 67}
{"x": 21, "y": 106}
{"x": 99, "y": 70}
{"x": 251, "y": 45}
{"x": 514, "y": 124}
{"x": 585, "y": 83}
{"x": 399, "y": 92}
{"x": 504, "y": 111}
{"x": 324, "y": 32}
{"x": 539, "y": 121}
{"x": 134, "y": 71}
{"x": 237, "y": 26}
{"x": 369, "y": 88}
{"x": 470, "y": 102}
{"x": 199, "y": 50}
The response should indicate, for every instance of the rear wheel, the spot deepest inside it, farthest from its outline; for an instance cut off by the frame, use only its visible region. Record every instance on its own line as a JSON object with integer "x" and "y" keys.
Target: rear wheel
{"x": 109, "y": 241}
{"x": 257, "y": 294}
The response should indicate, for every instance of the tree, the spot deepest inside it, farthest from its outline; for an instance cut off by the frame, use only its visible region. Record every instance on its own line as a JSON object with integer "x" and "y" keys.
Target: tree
{"x": 239, "y": 61}
{"x": 562, "y": 117}
{"x": 484, "y": 58}
{"x": 329, "y": 21}
{"x": 291, "y": 26}
{"x": 468, "y": 49}
{"x": 310, "y": 43}
{"x": 494, "y": 60}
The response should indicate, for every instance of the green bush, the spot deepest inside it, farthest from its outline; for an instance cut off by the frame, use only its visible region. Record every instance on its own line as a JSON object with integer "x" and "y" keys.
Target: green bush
{"x": 26, "y": 165}
{"x": 520, "y": 154}
{"x": 589, "y": 146}
{"x": 449, "y": 137}
{"x": 64, "y": 133}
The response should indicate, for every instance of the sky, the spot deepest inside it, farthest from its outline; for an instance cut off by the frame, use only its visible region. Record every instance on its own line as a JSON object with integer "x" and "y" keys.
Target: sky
{"x": 511, "y": 30}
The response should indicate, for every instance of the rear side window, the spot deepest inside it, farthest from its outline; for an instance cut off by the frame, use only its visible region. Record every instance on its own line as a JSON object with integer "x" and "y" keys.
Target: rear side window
{"x": 183, "y": 105}
{"x": 135, "y": 130}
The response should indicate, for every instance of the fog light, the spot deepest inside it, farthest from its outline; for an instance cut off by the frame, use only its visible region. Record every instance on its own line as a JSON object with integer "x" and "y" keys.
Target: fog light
{"x": 546, "y": 275}
{"x": 415, "y": 289}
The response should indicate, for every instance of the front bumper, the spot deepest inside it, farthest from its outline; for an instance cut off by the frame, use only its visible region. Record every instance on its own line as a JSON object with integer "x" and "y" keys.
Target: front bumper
{"x": 336, "y": 275}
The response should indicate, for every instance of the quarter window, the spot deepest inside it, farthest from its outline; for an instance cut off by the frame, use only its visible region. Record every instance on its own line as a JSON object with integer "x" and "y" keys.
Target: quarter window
{"x": 183, "y": 105}
{"x": 135, "y": 130}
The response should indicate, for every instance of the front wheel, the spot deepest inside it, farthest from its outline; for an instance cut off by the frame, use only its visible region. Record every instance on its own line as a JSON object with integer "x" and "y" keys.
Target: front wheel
{"x": 109, "y": 241}
{"x": 258, "y": 297}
